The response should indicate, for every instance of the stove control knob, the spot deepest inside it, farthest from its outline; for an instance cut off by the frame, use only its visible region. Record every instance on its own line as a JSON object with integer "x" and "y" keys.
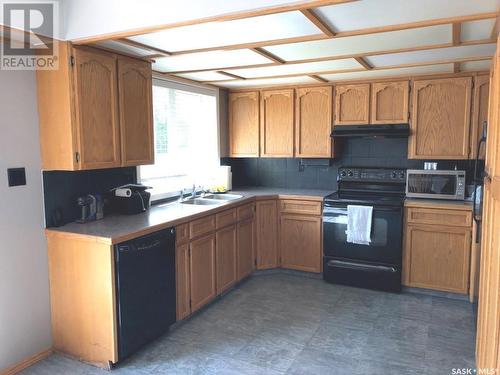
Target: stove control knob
{"x": 342, "y": 174}
{"x": 349, "y": 173}
{"x": 394, "y": 174}
{"x": 401, "y": 175}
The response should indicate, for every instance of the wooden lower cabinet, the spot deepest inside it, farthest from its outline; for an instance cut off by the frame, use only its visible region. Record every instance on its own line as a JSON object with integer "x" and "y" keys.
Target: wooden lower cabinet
{"x": 225, "y": 255}
{"x": 246, "y": 245}
{"x": 437, "y": 257}
{"x": 182, "y": 276}
{"x": 202, "y": 267}
{"x": 267, "y": 239}
{"x": 300, "y": 242}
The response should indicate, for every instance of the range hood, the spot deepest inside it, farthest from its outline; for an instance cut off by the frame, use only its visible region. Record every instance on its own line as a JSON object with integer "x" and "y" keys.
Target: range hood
{"x": 392, "y": 130}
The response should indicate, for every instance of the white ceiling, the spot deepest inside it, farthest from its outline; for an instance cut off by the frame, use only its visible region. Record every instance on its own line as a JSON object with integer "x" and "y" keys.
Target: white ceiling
{"x": 364, "y": 43}
{"x": 421, "y": 48}
{"x": 210, "y": 59}
{"x": 432, "y": 55}
{"x": 247, "y": 30}
{"x": 375, "y": 13}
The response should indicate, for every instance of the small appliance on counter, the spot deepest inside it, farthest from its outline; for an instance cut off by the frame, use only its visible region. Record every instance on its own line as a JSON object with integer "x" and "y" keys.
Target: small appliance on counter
{"x": 435, "y": 184}
{"x": 90, "y": 208}
{"x": 130, "y": 199}
{"x": 87, "y": 208}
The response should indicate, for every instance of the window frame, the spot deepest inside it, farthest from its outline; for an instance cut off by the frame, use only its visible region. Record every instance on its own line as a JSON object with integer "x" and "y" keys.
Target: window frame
{"x": 172, "y": 83}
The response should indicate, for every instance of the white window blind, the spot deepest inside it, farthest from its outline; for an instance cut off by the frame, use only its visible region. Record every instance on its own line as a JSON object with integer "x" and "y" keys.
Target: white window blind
{"x": 185, "y": 138}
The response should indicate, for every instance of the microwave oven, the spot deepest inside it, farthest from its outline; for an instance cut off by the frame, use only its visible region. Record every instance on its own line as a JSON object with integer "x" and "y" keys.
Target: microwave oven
{"x": 435, "y": 184}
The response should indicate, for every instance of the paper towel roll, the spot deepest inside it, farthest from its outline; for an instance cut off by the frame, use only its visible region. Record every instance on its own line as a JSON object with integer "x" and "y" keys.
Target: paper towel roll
{"x": 123, "y": 192}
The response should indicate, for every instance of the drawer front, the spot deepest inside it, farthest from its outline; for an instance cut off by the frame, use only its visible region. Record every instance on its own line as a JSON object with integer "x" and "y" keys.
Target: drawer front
{"x": 245, "y": 212}
{"x": 182, "y": 233}
{"x": 290, "y": 206}
{"x": 201, "y": 226}
{"x": 225, "y": 218}
{"x": 457, "y": 218}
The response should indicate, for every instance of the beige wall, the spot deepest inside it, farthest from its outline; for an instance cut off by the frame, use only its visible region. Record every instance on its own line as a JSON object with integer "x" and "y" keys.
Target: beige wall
{"x": 24, "y": 287}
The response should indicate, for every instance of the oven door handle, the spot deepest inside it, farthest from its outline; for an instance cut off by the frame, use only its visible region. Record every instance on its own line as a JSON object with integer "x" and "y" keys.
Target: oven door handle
{"x": 359, "y": 266}
{"x": 334, "y": 209}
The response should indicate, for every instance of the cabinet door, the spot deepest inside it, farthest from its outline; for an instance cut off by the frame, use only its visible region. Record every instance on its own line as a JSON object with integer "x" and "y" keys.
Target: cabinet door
{"x": 390, "y": 102}
{"x": 267, "y": 234}
{"x": 437, "y": 257}
{"x": 479, "y": 114}
{"x": 276, "y": 124}
{"x": 182, "y": 277}
{"x": 441, "y": 119}
{"x": 300, "y": 242}
{"x": 225, "y": 256}
{"x": 136, "y": 111}
{"x": 202, "y": 271}
{"x": 488, "y": 334}
{"x": 244, "y": 124}
{"x": 245, "y": 242}
{"x": 352, "y": 104}
{"x": 313, "y": 122}
{"x": 96, "y": 106}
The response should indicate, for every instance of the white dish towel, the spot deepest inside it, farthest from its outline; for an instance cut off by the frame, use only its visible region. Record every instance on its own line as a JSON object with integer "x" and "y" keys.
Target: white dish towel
{"x": 359, "y": 224}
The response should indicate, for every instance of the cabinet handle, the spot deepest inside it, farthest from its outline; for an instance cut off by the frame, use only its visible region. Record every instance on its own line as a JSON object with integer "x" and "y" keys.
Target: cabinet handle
{"x": 77, "y": 157}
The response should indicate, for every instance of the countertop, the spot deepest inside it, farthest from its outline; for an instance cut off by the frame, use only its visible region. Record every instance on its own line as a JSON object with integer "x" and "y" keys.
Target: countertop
{"x": 118, "y": 228}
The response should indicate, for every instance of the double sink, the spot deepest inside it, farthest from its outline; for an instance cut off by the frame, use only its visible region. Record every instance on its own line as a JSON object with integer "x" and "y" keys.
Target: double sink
{"x": 212, "y": 199}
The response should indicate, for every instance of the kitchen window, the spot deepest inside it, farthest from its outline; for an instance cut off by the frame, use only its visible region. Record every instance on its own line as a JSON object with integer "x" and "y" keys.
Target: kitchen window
{"x": 185, "y": 138}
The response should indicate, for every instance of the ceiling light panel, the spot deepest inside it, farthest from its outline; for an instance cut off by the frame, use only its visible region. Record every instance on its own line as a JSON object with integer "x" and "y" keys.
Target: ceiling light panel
{"x": 217, "y": 34}
{"x": 268, "y": 82}
{"x": 476, "y": 30}
{"x": 209, "y": 60}
{"x": 205, "y": 76}
{"x": 125, "y": 48}
{"x": 306, "y": 68}
{"x": 475, "y": 66}
{"x": 430, "y": 69}
{"x": 432, "y": 35}
{"x": 369, "y": 13}
{"x": 431, "y": 55}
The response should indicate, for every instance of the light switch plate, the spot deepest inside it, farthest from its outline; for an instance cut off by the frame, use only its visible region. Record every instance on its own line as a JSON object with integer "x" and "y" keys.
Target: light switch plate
{"x": 16, "y": 176}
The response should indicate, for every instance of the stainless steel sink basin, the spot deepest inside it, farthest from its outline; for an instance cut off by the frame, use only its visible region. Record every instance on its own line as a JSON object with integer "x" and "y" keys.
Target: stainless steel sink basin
{"x": 222, "y": 197}
{"x": 202, "y": 202}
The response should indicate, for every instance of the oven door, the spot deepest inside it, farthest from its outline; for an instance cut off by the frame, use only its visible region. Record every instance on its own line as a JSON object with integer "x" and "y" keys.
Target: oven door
{"x": 386, "y": 235}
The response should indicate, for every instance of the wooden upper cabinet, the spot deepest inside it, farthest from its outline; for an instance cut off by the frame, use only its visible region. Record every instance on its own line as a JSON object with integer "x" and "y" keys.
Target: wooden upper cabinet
{"x": 244, "y": 124}
{"x": 352, "y": 104}
{"x": 136, "y": 111}
{"x": 441, "y": 119}
{"x": 96, "y": 109}
{"x": 276, "y": 112}
{"x": 389, "y": 103}
{"x": 479, "y": 114}
{"x": 313, "y": 122}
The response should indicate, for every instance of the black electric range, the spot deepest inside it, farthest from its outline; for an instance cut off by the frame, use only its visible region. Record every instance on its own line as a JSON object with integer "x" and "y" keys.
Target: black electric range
{"x": 376, "y": 265}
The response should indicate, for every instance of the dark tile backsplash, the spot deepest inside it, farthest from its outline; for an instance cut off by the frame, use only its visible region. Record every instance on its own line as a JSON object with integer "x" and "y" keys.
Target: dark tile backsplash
{"x": 358, "y": 152}
{"x": 61, "y": 189}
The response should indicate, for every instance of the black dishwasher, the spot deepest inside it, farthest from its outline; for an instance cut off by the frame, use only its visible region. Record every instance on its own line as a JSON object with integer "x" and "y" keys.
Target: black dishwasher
{"x": 145, "y": 289}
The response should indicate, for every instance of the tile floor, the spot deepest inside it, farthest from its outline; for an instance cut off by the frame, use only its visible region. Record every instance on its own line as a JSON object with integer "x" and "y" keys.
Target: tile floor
{"x": 282, "y": 323}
